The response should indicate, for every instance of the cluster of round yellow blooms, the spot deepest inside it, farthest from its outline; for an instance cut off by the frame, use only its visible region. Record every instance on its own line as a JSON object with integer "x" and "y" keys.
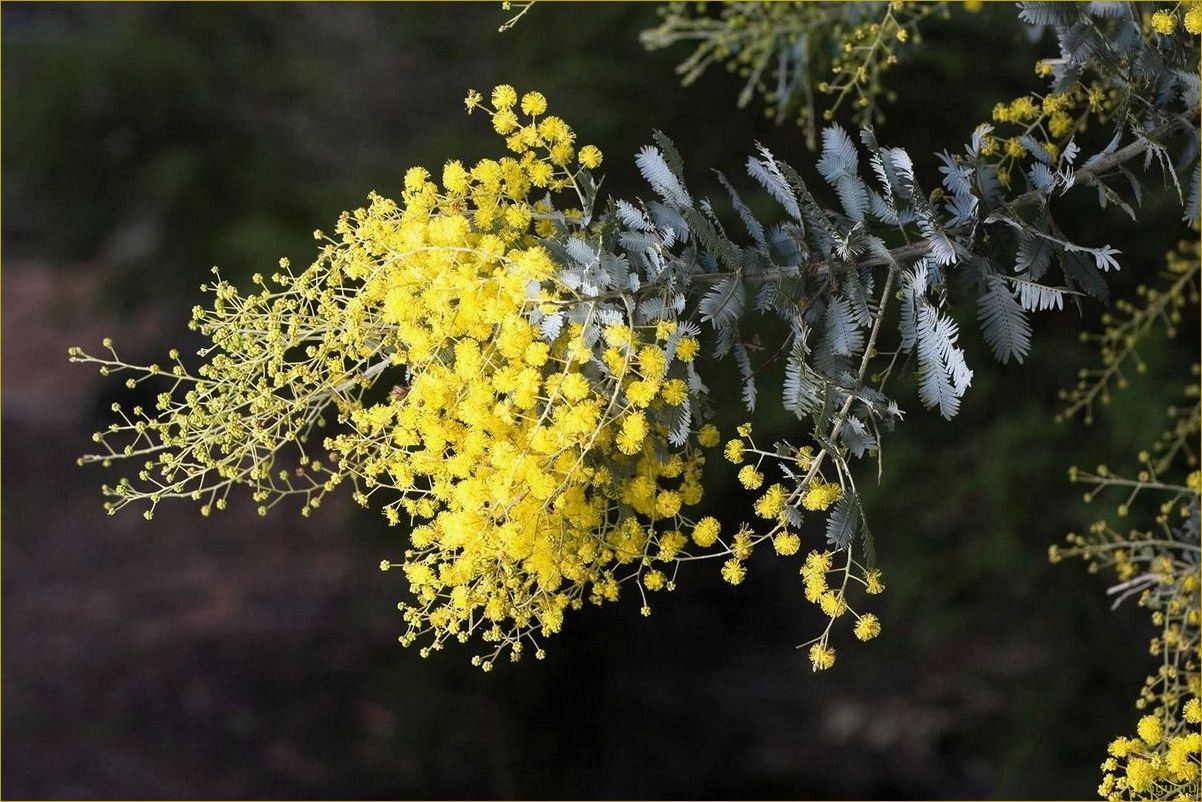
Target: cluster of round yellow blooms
{"x": 1193, "y": 19}
{"x": 818, "y": 494}
{"x": 1164, "y": 21}
{"x": 1050, "y": 119}
{"x": 521, "y": 427}
{"x": 1158, "y": 567}
{"x": 534, "y": 433}
{"x": 1162, "y": 761}
{"x": 534, "y": 463}
{"x": 783, "y": 507}
{"x": 815, "y": 573}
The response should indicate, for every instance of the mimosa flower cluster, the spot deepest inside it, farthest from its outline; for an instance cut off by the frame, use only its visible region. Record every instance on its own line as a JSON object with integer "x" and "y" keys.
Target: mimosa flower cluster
{"x": 1157, "y": 761}
{"x": 827, "y": 584}
{"x": 1040, "y": 126}
{"x": 1157, "y": 566}
{"x": 538, "y": 444}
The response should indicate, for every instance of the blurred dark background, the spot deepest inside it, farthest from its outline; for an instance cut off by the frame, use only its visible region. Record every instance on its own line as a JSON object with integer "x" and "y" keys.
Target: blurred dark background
{"x": 245, "y": 657}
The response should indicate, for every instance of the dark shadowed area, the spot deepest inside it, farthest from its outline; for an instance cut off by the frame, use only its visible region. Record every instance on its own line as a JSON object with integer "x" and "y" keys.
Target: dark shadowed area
{"x": 241, "y": 657}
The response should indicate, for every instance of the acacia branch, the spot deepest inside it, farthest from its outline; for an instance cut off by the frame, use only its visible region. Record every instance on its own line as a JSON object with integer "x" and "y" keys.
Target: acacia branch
{"x": 1086, "y": 176}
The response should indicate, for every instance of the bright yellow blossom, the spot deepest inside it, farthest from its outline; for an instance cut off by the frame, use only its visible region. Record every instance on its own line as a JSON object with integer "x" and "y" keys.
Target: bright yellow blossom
{"x": 1164, "y": 22}
{"x": 820, "y": 495}
{"x": 708, "y": 435}
{"x": 750, "y": 478}
{"x": 821, "y": 657}
{"x": 529, "y": 477}
{"x": 1193, "y": 20}
{"x": 786, "y": 543}
{"x": 1149, "y": 729}
{"x": 874, "y": 583}
{"x": 589, "y": 157}
{"x": 533, "y": 103}
{"x": 772, "y": 502}
{"x": 868, "y": 627}
{"x": 686, "y": 349}
{"x": 733, "y": 571}
{"x": 504, "y": 96}
{"x": 705, "y": 533}
{"x": 1192, "y": 711}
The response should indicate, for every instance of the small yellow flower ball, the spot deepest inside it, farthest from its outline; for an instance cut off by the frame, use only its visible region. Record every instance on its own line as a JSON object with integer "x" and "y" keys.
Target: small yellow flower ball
{"x": 750, "y": 478}
{"x": 786, "y": 544}
{"x": 1192, "y": 712}
{"x": 1193, "y": 20}
{"x": 705, "y": 533}
{"x": 821, "y": 495}
{"x": 686, "y": 349}
{"x": 733, "y": 571}
{"x": 654, "y": 580}
{"x": 1164, "y": 22}
{"x": 1149, "y": 729}
{"x": 589, "y": 157}
{"x": 874, "y": 582}
{"x": 533, "y": 103}
{"x": 504, "y": 96}
{"x": 821, "y": 657}
{"x": 868, "y": 627}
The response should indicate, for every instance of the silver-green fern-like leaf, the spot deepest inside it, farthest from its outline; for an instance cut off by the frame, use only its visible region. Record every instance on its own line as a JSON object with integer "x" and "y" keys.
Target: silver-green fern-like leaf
{"x": 656, "y": 172}
{"x": 1034, "y": 255}
{"x": 943, "y": 373}
{"x": 856, "y": 435}
{"x": 723, "y": 303}
{"x": 803, "y": 389}
{"x": 1003, "y": 321}
{"x": 754, "y": 227}
{"x": 743, "y": 360}
{"x": 843, "y": 522}
{"x": 840, "y": 167}
{"x": 841, "y": 330}
{"x": 769, "y": 176}
{"x": 1035, "y": 297}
